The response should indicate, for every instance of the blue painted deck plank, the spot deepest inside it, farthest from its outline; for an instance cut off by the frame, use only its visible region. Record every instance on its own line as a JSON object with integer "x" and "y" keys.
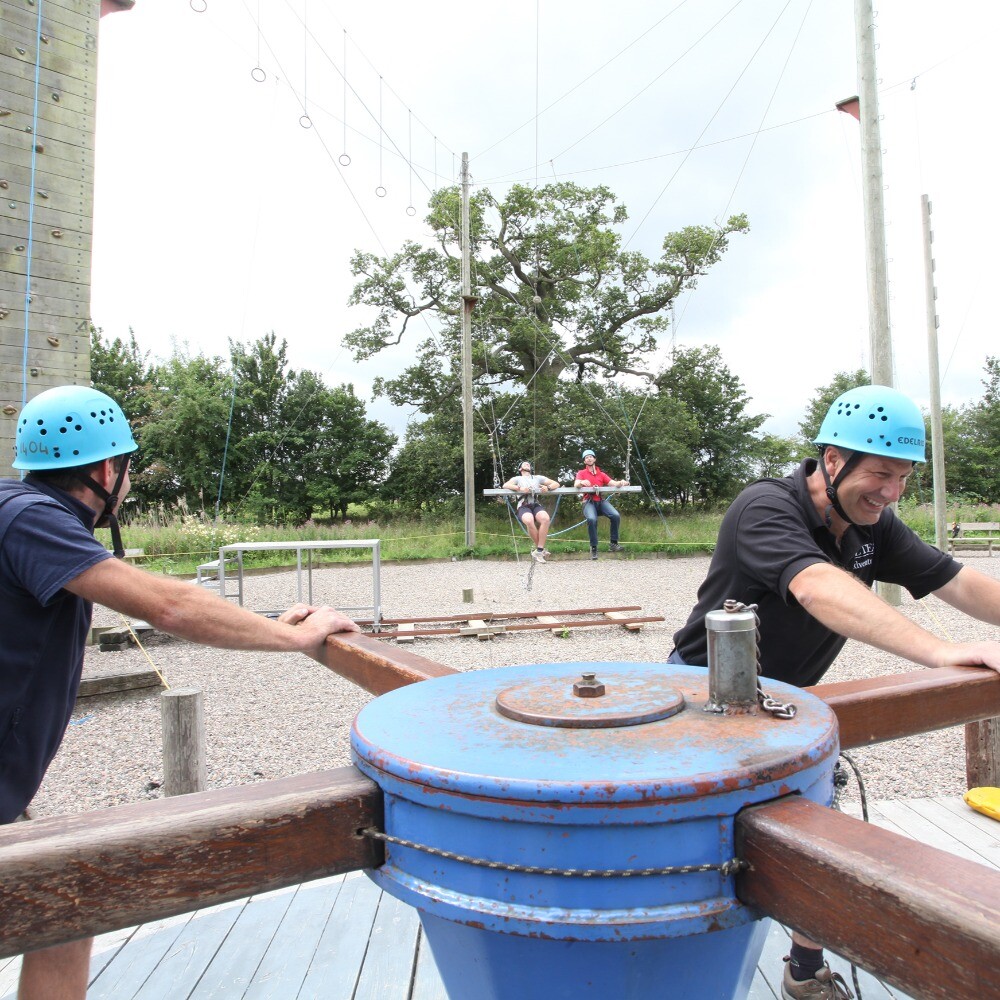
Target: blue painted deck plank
{"x": 234, "y": 964}
{"x": 387, "y": 973}
{"x": 289, "y": 954}
{"x": 336, "y": 964}
{"x": 135, "y": 962}
{"x": 180, "y": 969}
{"x": 427, "y": 984}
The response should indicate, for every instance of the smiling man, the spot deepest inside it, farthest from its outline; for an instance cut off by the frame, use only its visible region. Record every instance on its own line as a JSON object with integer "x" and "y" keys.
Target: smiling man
{"x": 807, "y": 548}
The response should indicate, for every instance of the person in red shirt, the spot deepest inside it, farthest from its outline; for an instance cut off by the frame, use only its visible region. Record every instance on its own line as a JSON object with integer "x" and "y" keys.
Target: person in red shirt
{"x": 594, "y": 504}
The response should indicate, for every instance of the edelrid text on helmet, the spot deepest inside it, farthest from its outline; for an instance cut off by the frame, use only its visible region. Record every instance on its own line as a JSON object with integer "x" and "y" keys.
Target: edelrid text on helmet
{"x": 69, "y": 426}
{"x": 875, "y": 420}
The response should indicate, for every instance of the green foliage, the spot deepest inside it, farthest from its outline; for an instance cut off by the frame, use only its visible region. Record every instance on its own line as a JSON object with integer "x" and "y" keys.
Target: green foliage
{"x": 557, "y": 293}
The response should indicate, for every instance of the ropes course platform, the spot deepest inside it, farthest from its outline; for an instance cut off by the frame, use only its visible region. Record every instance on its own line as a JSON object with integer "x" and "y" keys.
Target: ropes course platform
{"x": 485, "y": 627}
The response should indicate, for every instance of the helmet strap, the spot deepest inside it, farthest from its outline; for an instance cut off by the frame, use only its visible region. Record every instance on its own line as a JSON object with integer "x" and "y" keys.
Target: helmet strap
{"x": 831, "y": 486}
{"x": 107, "y": 518}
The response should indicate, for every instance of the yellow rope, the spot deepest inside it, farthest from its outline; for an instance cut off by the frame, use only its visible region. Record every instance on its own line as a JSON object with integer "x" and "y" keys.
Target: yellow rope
{"x": 128, "y": 625}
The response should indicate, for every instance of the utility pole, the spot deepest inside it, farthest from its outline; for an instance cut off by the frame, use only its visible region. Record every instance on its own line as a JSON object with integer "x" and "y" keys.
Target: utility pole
{"x": 871, "y": 170}
{"x": 468, "y": 304}
{"x": 880, "y": 342}
{"x": 933, "y": 370}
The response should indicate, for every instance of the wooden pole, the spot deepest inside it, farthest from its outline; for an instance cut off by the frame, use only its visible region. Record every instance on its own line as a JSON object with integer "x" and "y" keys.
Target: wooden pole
{"x": 468, "y": 304}
{"x": 923, "y": 919}
{"x": 982, "y": 753}
{"x": 183, "y": 719}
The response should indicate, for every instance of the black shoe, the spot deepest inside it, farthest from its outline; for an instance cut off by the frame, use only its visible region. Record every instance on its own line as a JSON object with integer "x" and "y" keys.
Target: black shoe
{"x": 615, "y": 547}
{"x": 593, "y": 553}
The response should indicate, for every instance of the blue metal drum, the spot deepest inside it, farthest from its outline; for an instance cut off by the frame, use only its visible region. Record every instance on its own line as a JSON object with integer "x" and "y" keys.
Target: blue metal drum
{"x": 565, "y": 841}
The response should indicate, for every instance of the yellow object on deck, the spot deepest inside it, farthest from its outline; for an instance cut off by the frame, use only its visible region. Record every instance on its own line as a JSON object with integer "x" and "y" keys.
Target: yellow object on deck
{"x": 984, "y": 800}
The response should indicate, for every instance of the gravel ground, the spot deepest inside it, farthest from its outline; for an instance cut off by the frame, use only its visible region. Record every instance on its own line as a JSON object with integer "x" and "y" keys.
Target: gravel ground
{"x": 270, "y": 715}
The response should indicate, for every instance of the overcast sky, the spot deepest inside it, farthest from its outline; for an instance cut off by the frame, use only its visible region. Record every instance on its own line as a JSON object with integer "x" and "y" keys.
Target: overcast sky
{"x": 218, "y": 215}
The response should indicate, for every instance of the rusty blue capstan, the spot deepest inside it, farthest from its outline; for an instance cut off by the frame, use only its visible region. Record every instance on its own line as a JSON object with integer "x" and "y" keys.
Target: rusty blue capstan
{"x": 560, "y": 841}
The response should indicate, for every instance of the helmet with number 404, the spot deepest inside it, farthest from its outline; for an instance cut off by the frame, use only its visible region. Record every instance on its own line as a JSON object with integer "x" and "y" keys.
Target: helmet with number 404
{"x": 875, "y": 420}
{"x": 69, "y": 426}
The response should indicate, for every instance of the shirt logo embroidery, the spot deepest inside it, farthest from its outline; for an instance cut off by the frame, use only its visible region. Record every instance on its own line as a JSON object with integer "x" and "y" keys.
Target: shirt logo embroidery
{"x": 864, "y": 556}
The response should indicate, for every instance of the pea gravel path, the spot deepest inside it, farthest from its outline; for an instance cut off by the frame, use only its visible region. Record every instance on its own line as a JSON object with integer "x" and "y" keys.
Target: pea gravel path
{"x": 269, "y": 715}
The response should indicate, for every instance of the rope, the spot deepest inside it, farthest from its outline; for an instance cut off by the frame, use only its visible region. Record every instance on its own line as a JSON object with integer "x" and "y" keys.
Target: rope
{"x": 31, "y": 206}
{"x": 727, "y": 868}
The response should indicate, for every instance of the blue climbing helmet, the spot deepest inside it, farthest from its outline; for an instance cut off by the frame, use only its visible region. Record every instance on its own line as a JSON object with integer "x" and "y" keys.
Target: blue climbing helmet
{"x": 588, "y": 452}
{"x": 69, "y": 426}
{"x": 72, "y": 426}
{"x": 869, "y": 420}
{"x": 875, "y": 420}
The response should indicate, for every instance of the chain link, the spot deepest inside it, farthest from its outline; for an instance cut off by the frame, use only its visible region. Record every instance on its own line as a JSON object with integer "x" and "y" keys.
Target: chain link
{"x": 727, "y": 868}
{"x": 779, "y": 709}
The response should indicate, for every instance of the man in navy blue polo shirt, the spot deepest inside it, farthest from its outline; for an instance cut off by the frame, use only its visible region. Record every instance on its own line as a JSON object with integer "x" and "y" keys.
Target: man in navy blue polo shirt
{"x": 806, "y": 549}
{"x": 74, "y": 442}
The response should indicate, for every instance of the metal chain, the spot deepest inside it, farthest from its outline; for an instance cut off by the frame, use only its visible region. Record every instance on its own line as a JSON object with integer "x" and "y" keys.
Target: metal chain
{"x": 732, "y": 867}
{"x": 779, "y": 709}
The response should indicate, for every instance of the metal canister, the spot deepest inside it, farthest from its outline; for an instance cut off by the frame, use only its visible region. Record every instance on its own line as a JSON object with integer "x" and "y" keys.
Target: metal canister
{"x": 567, "y": 843}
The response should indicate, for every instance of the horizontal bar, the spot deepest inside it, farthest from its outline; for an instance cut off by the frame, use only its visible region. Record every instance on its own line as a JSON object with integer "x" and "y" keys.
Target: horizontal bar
{"x": 375, "y": 666}
{"x": 564, "y": 490}
{"x": 67, "y": 877}
{"x": 498, "y": 627}
{"x": 923, "y": 919}
{"x": 887, "y": 708}
{"x": 495, "y": 615}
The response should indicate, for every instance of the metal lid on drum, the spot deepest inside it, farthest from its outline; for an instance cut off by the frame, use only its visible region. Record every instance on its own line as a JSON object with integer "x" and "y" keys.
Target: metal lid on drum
{"x": 517, "y": 734}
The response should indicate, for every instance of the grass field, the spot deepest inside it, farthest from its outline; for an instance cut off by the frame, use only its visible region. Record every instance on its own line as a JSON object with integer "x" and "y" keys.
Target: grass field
{"x": 177, "y": 544}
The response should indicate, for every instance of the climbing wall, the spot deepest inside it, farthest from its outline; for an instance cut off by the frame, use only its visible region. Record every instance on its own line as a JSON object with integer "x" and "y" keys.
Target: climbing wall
{"x": 48, "y": 79}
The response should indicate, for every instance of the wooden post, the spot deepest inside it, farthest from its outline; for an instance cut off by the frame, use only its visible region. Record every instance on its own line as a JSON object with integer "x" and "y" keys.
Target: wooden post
{"x": 183, "y": 721}
{"x": 982, "y": 754}
{"x": 467, "y": 595}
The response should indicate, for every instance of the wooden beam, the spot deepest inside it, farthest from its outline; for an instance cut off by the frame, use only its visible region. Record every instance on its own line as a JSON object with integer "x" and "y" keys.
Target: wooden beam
{"x": 67, "y": 877}
{"x": 923, "y": 919}
{"x": 887, "y": 708}
{"x": 376, "y": 666}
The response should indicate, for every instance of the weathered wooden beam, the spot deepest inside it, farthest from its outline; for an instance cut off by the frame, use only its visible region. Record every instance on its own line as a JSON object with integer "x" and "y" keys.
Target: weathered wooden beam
{"x": 67, "y": 877}
{"x": 376, "y": 666}
{"x": 887, "y": 708}
{"x": 115, "y": 683}
{"x": 924, "y": 920}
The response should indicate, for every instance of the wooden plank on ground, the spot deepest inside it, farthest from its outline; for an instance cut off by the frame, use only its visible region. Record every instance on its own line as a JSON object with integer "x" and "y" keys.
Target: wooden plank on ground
{"x": 401, "y": 631}
{"x": 551, "y": 620}
{"x": 957, "y": 806}
{"x": 922, "y": 829}
{"x": 336, "y": 965}
{"x": 631, "y": 626}
{"x": 957, "y": 826}
{"x": 114, "y": 683}
{"x": 290, "y": 951}
{"x": 479, "y": 628}
{"x": 427, "y": 984}
{"x": 392, "y": 946}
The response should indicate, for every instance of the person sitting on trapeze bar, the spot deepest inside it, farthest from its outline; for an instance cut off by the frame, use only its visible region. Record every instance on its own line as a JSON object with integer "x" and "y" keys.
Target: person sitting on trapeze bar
{"x": 594, "y": 504}
{"x": 530, "y": 512}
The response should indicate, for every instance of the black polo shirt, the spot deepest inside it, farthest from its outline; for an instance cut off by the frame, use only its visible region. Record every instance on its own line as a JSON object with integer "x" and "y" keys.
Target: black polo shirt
{"x": 769, "y": 535}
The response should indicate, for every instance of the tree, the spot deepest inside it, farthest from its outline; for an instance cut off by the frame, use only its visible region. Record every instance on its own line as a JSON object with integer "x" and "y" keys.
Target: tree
{"x": 821, "y": 402}
{"x": 725, "y": 436}
{"x": 558, "y": 294}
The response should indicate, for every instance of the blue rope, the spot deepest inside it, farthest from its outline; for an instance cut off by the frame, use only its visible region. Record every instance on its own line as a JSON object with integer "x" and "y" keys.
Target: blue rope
{"x": 31, "y": 207}
{"x": 552, "y": 534}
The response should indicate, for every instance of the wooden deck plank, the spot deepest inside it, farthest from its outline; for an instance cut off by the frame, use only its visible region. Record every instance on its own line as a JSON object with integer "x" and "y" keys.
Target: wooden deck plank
{"x": 179, "y": 971}
{"x": 387, "y": 973}
{"x": 986, "y": 848}
{"x": 916, "y": 826}
{"x": 133, "y": 963}
{"x": 427, "y": 984}
{"x": 988, "y": 826}
{"x": 233, "y": 967}
{"x": 336, "y": 964}
{"x": 286, "y": 961}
